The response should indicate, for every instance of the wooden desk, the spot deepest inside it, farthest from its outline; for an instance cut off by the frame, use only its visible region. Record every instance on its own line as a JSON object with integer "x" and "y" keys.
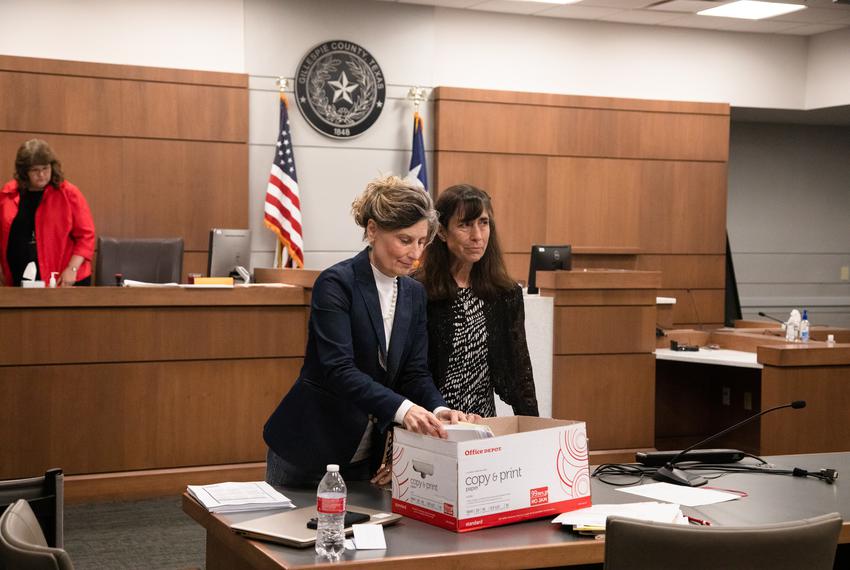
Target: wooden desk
{"x": 695, "y": 397}
{"x": 534, "y": 544}
{"x": 137, "y": 391}
{"x": 603, "y": 367}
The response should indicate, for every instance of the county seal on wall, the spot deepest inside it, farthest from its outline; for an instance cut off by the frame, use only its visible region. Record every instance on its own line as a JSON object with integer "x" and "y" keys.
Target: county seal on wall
{"x": 340, "y": 89}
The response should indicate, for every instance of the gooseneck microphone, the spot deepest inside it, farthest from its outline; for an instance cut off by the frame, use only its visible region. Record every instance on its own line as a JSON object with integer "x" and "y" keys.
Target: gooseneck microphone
{"x": 765, "y": 315}
{"x": 670, "y": 474}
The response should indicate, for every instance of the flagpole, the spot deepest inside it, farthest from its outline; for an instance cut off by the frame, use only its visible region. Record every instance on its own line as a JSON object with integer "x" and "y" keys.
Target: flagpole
{"x": 418, "y": 170}
{"x": 282, "y": 209}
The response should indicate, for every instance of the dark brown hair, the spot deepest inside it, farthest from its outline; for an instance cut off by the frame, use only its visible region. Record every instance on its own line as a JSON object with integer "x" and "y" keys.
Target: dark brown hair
{"x": 36, "y": 152}
{"x": 489, "y": 276}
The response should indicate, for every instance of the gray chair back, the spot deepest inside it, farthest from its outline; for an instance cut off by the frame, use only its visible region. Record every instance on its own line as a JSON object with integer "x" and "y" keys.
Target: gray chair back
{"x": 639, "y": 545}
{"x": 46, "y": 496}
{"x": 153, "y": 260}
{"x": 22, "y": 544}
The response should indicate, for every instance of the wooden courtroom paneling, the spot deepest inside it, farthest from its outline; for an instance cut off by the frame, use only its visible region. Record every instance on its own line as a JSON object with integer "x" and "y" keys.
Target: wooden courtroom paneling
{"x": 181, "y": 111}
{"x": 195, "y": 262}
{"x": 699, "y": 306}
{"x": 614, "y": 394}
{"x": 689, "y": 404}
{"x": 593, "y": 203}
{"x": 134, "y": 485}
{"x": 686, "y": 271}
{"x": 598, "y": 297}
{"x": 60, "y": 104}
{"x": 804, "y": 354}
{"x": 117, "y": 71}
{"x": 579, "y": 101}
{"x": 698, "y": 210}
{"x": 517, "y": 263}
{"x": 604, "y": 330}
{"x": 819, "y": 427}
{"x": 111, "y": 107}
{"x": 116, "y": 417}
{"x": 517, "y": 186}
{"x": 569, "y": 131}
{"x": 170, "y": 333}
{"x": 683, "y": 206}
{"x": 156, "y": 152}
{"x": 179, "y": 197}
{"x": 625, "y": 179}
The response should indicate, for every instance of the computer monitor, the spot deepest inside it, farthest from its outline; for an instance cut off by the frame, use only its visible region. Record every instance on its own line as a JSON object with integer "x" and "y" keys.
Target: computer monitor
{"x": 547, "y": 258}
{"x": 229, "y": 249}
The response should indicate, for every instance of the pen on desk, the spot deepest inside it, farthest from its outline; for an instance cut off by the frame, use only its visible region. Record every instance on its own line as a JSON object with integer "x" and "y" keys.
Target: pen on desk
{"x": 695, "y": 520}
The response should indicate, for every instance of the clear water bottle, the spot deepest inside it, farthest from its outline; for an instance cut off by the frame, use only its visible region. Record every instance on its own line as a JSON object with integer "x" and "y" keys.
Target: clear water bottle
{"x": 804, "y": 327}
{"x": 330, "y": 504}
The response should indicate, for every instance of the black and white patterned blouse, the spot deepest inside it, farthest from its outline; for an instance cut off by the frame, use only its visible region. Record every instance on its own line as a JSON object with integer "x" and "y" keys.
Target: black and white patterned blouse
{"x": 505, "y": 353}
{"x": 467, "y": 384}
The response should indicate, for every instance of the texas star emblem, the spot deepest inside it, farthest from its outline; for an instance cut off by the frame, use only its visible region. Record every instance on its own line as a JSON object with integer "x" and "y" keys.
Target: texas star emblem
{"x": 340, "y": 89}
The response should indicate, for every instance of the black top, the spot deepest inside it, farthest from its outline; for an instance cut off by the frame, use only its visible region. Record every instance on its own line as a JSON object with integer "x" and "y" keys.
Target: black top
{"x": 466, "y": 385}
{"x": 507, "y": 359}
{"x": 21, "y": 248}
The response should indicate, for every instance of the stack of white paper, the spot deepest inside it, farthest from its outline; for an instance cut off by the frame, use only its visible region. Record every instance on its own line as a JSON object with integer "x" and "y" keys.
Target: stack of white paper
{"x": 465, "y": 431}
{"x": 239, "y": 497}
{"x": 594, "y": 516}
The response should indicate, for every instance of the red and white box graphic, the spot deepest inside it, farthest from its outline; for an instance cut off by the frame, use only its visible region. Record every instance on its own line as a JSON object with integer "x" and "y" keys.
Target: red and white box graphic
{"x": 532, "y": 468}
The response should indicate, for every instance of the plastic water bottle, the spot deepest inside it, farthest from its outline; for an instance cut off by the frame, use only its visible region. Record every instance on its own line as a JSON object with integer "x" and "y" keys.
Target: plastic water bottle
{"x": 330, "y": 504}
{"x": 804, "y": 327}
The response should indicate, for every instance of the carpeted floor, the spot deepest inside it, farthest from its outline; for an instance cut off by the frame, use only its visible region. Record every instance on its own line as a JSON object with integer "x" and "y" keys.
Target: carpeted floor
{"x": 143, "y": 535}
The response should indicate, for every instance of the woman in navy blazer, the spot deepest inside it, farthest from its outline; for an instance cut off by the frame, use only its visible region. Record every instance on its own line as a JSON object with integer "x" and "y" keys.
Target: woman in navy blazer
{"x": 352, "y": 387}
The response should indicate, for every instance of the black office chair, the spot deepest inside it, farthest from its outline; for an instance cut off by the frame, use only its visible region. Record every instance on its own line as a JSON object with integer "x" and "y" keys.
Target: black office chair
{"x": 153, "y": 260}
{"x": 640, "y": 545}
{"x": 22, "y": 543}
{"x": 46, "y": 497}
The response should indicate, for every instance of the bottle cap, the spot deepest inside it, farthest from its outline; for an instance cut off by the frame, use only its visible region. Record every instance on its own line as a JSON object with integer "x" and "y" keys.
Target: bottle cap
{"x": 333, "y": 467}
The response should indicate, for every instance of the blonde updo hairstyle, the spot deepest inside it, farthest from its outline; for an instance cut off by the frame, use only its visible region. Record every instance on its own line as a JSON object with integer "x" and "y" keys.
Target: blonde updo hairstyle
{"x": 394, "y": 204}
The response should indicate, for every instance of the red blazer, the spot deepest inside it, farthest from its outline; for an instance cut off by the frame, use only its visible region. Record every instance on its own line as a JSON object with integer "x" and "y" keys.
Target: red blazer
{"x": 63, "y": 227}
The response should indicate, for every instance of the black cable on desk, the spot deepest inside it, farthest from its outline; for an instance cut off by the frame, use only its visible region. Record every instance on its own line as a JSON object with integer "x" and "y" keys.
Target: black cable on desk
{"x": 612, "y": 473}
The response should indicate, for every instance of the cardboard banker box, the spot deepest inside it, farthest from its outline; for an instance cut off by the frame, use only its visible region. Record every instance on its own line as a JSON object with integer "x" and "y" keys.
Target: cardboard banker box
{"x": 533, "y": 467}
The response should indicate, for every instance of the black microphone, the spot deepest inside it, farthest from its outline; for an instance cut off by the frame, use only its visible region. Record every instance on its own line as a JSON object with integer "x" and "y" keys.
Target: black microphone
{"x": 771, "y": 318}
{"x": 670, "y": 474}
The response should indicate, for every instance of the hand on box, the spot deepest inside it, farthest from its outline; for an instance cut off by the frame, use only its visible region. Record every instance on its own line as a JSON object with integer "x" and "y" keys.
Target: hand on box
{"x": 419, "y": 420}
{"x": 455, "y": 416}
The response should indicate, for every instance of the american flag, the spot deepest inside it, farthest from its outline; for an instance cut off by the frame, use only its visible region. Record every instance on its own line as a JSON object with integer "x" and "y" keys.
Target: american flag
{"x": 283, "y": 203}
{"x": 418, "y": 169}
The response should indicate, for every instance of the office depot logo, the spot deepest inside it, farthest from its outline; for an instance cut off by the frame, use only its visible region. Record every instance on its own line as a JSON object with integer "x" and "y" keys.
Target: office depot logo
{"x": 449, "y": 509}
{"x": 469, "y": 452}
{"x": 539, "y": 496}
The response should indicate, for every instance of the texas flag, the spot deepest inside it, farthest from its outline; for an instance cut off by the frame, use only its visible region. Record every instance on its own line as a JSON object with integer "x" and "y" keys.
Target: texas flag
{"x": 418, "y": 168}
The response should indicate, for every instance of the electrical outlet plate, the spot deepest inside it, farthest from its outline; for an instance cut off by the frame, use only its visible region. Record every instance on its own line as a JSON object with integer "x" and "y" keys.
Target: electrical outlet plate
{"x": 845, "y": 273}
{"x": 727, "y": 396}
{"x": 748, "y": 400}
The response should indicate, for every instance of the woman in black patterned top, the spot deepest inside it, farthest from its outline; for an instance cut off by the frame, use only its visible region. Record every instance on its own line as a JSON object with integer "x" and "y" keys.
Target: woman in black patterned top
{"x": 476, "y": 317}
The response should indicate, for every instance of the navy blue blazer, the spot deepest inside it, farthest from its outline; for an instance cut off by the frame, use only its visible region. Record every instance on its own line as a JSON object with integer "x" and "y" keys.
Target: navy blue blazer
{"x": 348, "y": 378}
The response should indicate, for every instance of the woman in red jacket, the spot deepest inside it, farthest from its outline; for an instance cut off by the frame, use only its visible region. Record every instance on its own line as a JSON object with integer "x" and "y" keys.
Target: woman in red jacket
{"x": 45, "y": 219}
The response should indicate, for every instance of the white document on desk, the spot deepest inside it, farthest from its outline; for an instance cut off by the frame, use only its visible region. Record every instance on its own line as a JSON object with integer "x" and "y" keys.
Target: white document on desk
{"x": 596, "y": 515}
{"x": 680, "y": 495}
{"x": 369, "y": 537}
{"x": 239, "y": 497}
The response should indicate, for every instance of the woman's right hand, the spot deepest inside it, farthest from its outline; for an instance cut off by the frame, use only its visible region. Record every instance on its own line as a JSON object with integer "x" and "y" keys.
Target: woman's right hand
{"x": 419, "y": 420}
